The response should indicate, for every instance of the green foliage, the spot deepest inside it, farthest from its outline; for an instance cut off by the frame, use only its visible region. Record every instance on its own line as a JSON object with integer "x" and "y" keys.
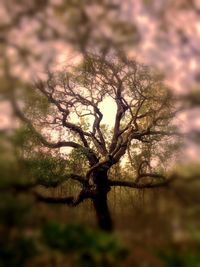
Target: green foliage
{"x": 19, "y": 163}
{"x": 22, "y": 160}
{"x": 184, "y": 254}
{"x": 45, "y": 169}
{"x": 194, "y": 232}
{"x": 23, "y": 137}
{"x": 16, "y": 252}
{"x": 10, "y": 167}
{"x": 89, "y": 247}
{"x": 36, "y": 104}
{"x": 77, "y": 161}
{"x": 13, "y": 211}
{"x": 173, "y": 258}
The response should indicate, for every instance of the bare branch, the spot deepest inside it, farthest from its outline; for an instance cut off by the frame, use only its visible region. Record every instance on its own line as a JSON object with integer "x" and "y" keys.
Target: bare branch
{"x": 132, "y": 184}
{"x": 40, "y": 137}
{"x": 69, "y": 91}
{"x": 72, "y": 201}
{"x": 53, "y": 200}
{"x": 88, "y": 152}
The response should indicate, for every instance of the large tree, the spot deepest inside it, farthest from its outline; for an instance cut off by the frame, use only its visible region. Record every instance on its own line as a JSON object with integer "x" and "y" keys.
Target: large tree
{"x": 74, "y": 114}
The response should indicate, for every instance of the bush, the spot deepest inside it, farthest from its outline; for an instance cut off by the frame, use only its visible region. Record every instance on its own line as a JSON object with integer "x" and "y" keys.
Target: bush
{"x": 89, "y": 247}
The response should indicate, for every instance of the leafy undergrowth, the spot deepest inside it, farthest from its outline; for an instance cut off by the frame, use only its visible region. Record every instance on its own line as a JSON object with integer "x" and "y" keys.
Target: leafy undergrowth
{"x": 86, "y": 246}
{"x": 173, "y": 257}
{"x": 60, "y": 245}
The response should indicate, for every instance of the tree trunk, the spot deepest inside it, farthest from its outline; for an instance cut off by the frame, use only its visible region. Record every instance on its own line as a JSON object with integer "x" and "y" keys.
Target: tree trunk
{"x": 102, "y": 212}
{"x": 100, "y": 200}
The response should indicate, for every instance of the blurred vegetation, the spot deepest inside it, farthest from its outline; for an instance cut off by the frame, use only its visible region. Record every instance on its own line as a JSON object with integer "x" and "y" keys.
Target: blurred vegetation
{"x": 88, "y": 247}
{"x": 160, "y": 228}
{"x": 17, "y": 251}
{"x": 172, "y": 256}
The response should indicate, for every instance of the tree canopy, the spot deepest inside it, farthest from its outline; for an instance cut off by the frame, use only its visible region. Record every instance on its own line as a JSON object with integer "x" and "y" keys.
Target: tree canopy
{"x": 73, "y": 119}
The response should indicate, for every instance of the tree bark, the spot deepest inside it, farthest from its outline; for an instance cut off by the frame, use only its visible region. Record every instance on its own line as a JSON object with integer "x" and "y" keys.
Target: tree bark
{"x": 100, "y": 200}
{"x": 102, "y": 212}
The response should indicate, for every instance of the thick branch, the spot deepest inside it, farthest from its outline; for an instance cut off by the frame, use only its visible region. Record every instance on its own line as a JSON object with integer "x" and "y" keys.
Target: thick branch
{"x": 31, "y": 189}
{"x": 89, "y": 153}
{"x": 54, "y": 200}
{"x": 72, "y": 201}
{"x": 23, "y": 118}
{"x": 121, "y": 109}
{"x": 99, "y": 144}
{"x": 96, "y": 126}
{"x": 106, "y": 163}
{"x": 139, "y": 135}
{"x": 132, "y": 184}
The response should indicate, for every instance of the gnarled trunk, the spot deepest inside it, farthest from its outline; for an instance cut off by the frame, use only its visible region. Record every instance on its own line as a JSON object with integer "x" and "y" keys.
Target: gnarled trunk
{"x": 100, "y": 200}
{"x": 102, "y": 212}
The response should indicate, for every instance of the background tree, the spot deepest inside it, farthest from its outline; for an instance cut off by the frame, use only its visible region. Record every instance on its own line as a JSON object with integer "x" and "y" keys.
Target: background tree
{"x": 143, "y": 111}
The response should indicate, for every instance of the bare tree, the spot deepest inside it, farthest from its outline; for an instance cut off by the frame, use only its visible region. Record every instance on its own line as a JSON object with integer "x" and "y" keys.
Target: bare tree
{"x": 143, "y": 113}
